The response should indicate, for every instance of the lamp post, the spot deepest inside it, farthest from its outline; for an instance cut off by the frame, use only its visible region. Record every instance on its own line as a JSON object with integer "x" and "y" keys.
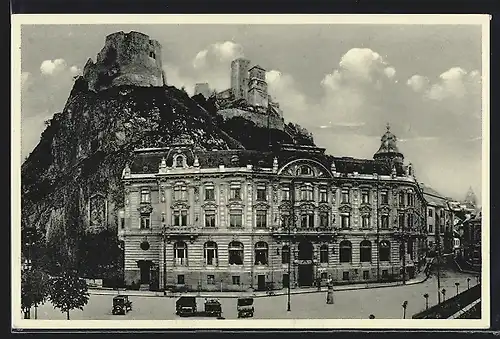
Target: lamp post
{"x": 444, "y": 294}
{"x": 457, "y": 284}
{"x": 405, "y": 304}
{"x": 426, "y": 296}
{"x": 164, "y": 236}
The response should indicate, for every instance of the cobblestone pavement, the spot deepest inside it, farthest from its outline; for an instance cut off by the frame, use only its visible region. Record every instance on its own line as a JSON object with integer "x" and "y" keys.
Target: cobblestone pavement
{"x": 384, "y": 303}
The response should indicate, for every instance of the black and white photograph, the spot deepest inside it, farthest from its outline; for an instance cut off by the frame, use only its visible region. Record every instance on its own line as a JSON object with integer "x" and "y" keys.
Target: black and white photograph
{"x": 239, "y": 171}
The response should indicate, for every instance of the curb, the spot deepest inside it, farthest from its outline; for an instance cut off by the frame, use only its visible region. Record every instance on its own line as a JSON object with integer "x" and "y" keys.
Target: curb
{"x": 352, "y": 288}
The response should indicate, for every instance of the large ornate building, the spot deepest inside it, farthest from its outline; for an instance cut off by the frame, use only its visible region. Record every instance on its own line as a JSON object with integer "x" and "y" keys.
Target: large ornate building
{"x": 239, "y": 219}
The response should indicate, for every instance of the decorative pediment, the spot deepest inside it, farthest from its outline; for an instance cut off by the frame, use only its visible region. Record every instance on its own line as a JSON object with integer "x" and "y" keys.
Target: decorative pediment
{"x": 210, "y": 205}
{"x": 305, "y": 168}
{"x": 180, "y": 204}
{"x": 345, "y": 208}
{"x": 285, "y": 205}
{"x": 145, "y": 208}
{"x": 307, "y": 206}
{"x": 235, "y": 204}
{"x": 365, "y": 209}
{"x": 324, "y": 207}
{"x": 261, "y": 205}
{"x": 385, "y": 210}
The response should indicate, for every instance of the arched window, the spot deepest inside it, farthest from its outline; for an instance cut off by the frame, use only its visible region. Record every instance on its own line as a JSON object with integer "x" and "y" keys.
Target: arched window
{"x": 345, "y": 251}
{"x": 179, "y": 161}
{"x": 384, "y": 251}
{"x": 235, "y": 253}
{"x": 180, "y": 253}
{"x": 365, "y": 251}
{"x": 285, "y": 254}
{"x": 210, "y": 253}
{"x": 323, "y": 254}
{"x": 305, "y": 170}
{"x": 261, "y": 253}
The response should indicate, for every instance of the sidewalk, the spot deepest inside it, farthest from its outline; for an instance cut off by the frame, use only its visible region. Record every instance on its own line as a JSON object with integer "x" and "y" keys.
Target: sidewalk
{"x": 420, "y": 278}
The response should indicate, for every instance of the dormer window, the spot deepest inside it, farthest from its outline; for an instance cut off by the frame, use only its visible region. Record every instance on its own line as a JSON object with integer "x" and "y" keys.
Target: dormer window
{"x": 179, "y": 161}
{"x": 305, "y": 170}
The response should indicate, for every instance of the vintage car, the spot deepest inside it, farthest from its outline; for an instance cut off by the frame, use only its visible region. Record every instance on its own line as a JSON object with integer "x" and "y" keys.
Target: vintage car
{"x": 213, "y": 308}
{"x": 245, "y": 307}
{"x": 185, "y": 306}
{"x": 121, "y": 304}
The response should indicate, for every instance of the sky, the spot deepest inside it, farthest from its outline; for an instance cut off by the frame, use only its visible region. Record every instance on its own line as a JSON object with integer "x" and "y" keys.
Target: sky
{"x": 343, "y": 82}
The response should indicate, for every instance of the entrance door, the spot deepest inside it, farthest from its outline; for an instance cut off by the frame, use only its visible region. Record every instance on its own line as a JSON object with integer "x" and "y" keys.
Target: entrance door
{"x": 261, "y": 282}
{"x": 145, "y": 268}
{"x": 306, "y": 275}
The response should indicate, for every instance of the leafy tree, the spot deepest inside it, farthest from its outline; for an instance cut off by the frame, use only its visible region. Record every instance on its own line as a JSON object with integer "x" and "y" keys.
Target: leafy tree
{"x": 34, "y": 289}
{"x": 68, "y": 292}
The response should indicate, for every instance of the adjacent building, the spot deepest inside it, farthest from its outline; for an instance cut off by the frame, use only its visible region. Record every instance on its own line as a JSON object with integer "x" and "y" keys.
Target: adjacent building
{"x": 240, "y": 219}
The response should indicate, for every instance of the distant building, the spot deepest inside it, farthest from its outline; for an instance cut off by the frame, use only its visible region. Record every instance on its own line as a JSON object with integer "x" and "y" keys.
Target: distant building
{"x": 203, "y": 89}
{"x": 239, "y": 78}
{"x": 257, "y": 92}
{"x": 239, "y": 219}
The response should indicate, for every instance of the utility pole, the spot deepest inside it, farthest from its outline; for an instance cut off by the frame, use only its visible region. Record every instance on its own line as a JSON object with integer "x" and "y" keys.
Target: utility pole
{"x": 164, "y": 231}
{"x": 438, "y": 245}
{"x": 378, "y": 230}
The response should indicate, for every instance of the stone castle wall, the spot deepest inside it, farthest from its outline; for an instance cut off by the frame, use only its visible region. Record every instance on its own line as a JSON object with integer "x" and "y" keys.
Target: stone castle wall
{"x": 260, "y": 119}
{"x": 126, "y": 59}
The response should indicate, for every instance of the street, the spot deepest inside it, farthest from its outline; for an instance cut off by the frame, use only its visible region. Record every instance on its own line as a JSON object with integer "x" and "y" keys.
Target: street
{"x": 384, "y": 303}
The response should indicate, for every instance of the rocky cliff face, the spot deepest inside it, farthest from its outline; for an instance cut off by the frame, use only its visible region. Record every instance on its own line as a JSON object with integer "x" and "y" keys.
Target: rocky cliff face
{"x": 84, "y": 149}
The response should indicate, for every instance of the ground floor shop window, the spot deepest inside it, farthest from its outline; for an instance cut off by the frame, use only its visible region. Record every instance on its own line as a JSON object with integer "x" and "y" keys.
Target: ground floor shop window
{"x": 235, "y": 253}
{"x": 366, "y": 275}
{"x": 345, "y": 251}
{"x": 261, "y": 253}
{"x": 180, "y": 279}
{"x": 384, "y": 251}
{"x": 210, "y": 279}
{"x": 236, "y": 280}
{"x": 210, "y": 253}
{"x": 365, "y": 251}
{"x": 345, "y": 275}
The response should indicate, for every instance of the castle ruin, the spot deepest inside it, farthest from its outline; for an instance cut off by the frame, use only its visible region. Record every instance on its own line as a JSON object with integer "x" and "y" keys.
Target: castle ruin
{"x": 126, "y": 59}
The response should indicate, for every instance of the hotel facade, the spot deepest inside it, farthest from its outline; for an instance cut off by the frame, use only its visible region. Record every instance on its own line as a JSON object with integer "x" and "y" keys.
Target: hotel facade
{"x": 241, "y": 220}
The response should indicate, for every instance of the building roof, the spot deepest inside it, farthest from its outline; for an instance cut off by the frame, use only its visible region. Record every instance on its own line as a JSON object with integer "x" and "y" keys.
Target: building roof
{"x": 148, "y": 161}
{"x": 433, "y": 197}
{"x": 257, "y": 66}
{"x": 388, "y": 144}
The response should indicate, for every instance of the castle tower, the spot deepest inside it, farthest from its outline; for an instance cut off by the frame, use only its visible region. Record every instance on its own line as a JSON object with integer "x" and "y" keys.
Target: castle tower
{"x": 470, "y": 198}
{"x": 388, "y": 149}
{"x": 203, "y": 89}
{"x": 239, "y": 78}
{"x": 126, "y": 59}
{"x": 257, "y": 93}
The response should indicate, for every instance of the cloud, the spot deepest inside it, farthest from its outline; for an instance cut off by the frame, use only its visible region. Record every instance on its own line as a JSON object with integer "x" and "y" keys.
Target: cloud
{"x": 418, "y": 83}
{"x": 283, "y": 88}
{"x": 219, "y": 52}
{"x": 75, "y": 70}
{"x": 50, "y": 67}
{"x": 390, "y": 72}
{"x": 454, "y": 83}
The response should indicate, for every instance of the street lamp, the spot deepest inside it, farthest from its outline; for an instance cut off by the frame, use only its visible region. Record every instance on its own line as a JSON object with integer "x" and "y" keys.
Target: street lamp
{"x": 287, "y": 220}
{"x": 444, "y": 294}
{"x": 426, "y": 296}
{"x": 164, "y": 238}
{"x": 405, "y": 304}
{"x": 457, "y": 284}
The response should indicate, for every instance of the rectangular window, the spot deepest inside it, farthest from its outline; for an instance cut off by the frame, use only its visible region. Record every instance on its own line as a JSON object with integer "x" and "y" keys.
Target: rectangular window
{"x": 410, "y": 199}
{"x": 235, "y": 193}
{"x": 261, "y": 193}
{"x": 180, "y": 279}
{"x": 441, "y": 213}
{"x": 366, "y": 275}
{"x": 385, "y": 273}
{"x": 401, "y": 221}
{"x": 261, "y": 219}
{"x": 145, "y": 221}
{"x": 345, "y": 275}
{"x": 210, "y": 279}
{"x": 122, "y": 223}
{"x": 345, "y": 221}
{"x": 285, "y": 193}
{"x": 236, "y": 280}
{"x": 145, "y": 196}
{"x": 180, "y": 193}
{"x": 385, "y": 222}
{"x": 323, "y": 219}
{"x": 401, "y": 199}
{"x": 307, "y": 220}
{"x": 323, "y": 195}
{"x": 180, "y": 217}
{"x": 441, "y": 229}
{"x": 365, "y": 219}
{"x": 209, "y": 193}
{"x": 210, "y": 219}
{"x": 236, "y": 218}
{"x": 365, "y": 197}
{"x": 430, "y": 229}
{"x": 410, "y": 220}
{"x": 306, "y": 193}
{"x": 384, "y": 198}
{"x": 345, "y": 196}
{"x": 430, "y": 213}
